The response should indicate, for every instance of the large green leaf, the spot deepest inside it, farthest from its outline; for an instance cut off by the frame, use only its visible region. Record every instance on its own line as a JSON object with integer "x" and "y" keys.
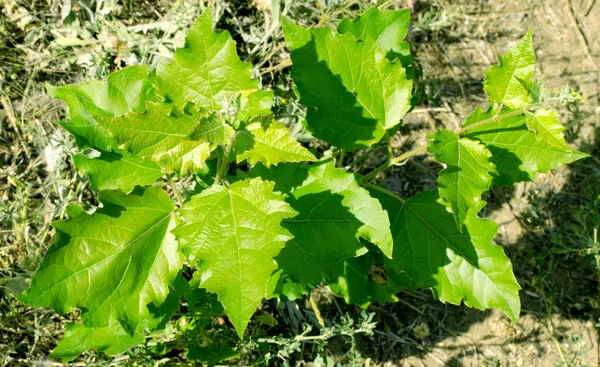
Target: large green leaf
{"x": 125, "y": 91}
{"x": 364, "y": 279}
{"x": 113, "y": 263}
{"x": 517, "y": 152}
{"x": 111, "y": 171}
{"x": 335, "y": 213}
{"x": 162, "y": 137}
{"x": 111, "y": 340}
{"x": 388, "y": 27}
{"x": 209, "y": 73}
{"x": 235, "y": 231}
{"x": 353, "y": 93}
{"x": 511, "y": 82}
{"x": 114, "y": 339}
{"x": 269, "y": 145}
{"x": 466, "y": 175}
{"x": 457, "y": 266}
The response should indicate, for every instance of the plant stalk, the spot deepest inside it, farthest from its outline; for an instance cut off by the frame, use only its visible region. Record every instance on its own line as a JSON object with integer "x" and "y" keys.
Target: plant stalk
{"x": 401, "y": 158}
{"x": 175, "y": 190}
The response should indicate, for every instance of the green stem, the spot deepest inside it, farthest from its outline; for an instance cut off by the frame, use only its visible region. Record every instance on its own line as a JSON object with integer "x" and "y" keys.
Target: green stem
{"x": 368, "y": 151}
{"x": 389, "y": 146}
{"x": 340, "y": 160}
{"x": 175, "y": 190}
{"x": 597, "y": 247}
{"x": 491, "y": 119}
{"x": 403, "y": 157}
{"x": 222, "y": 167}
{"x": 393, "y": 162}
{"x": 387, "y": 192}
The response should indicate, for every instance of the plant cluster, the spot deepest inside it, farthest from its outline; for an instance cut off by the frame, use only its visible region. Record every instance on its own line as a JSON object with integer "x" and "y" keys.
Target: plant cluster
{"x": 256, "y": 214}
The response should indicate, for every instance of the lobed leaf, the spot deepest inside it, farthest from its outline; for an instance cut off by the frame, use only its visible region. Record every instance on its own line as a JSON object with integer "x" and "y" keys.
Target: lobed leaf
{"x": 125, "y": 91}
{"x": 517, "y": 152}
{"x": 363, "y": 280}
{"x": 511, "y": 81}
{"x": 208, "y": 73}
{"x": 457, "y": 266}
{"x": 269, "y": 145}
{"x": 546, "y": 126}
{"x": 353, "y": 93}
{"x": 161, "y": 138}
{"x": 110, "y": 264}
{"x": 235, "y": 231}
{"x": 388, "y": 27}
{"x": 111, "y": 340}
{"x": 115, "y": 171}
{"x": 466, "y": 175}
{"x": 335, "y": 213}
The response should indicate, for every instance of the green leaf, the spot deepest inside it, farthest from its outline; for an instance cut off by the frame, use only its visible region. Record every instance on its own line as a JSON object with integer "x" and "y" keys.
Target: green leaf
{"x": 163, "y": 138}
{"x": 335, "y": 213}
{"x": 125, "y": 91}
{"x": 546, "y": 126}
{"x": 388, "y": 27}
{"x": 208, "y": 72}
{"x": 212, "y": 354}
{"x": 466, "y": 175}
{"x": 510, "y": 82}
{"x": 111, "y": 340}
{"x": 457, "y": 266}
{"x": 517, "y": 152}
{"x": 110, "y": 264}
{"x": 282, "y": 285}
{"x": 363, "y": 280}
{"x": 111, "y": 170}
{"x": 269, "y": 145}
{"x": 353, "y": 93}
{"x": 114, "y": 339}
{"x": 257, "y": 103}
{"x": 236, "y": 232}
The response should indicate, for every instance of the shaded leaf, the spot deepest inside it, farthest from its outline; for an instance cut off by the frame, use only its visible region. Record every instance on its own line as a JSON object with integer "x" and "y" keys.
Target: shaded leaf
{"x": 353, "y": 93}
{"x": 111, "y": 340}
{"x": 363, "y": 280}
{"x": 111, "y": 170}
{"x": 457, "y": 266}
{"x": 335, "y": 213}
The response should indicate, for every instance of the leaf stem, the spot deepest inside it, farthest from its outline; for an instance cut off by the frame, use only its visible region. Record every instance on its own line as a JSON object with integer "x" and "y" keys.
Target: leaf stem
{"x": 224, "y": 163}
{"x": 340, "y": 160}
{"x": 175, "y": 190}
{"x": 387, "y": 192}
{"x": 368, "y": 151}
{"x": 403, "y": 157}
{"x": 393, "y": 162}
{"x": 491, "y": 119}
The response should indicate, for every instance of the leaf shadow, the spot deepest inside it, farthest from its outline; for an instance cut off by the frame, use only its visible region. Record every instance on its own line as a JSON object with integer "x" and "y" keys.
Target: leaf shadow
{"x": 324, "y": 232}
{"x": 321, "y": 120}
